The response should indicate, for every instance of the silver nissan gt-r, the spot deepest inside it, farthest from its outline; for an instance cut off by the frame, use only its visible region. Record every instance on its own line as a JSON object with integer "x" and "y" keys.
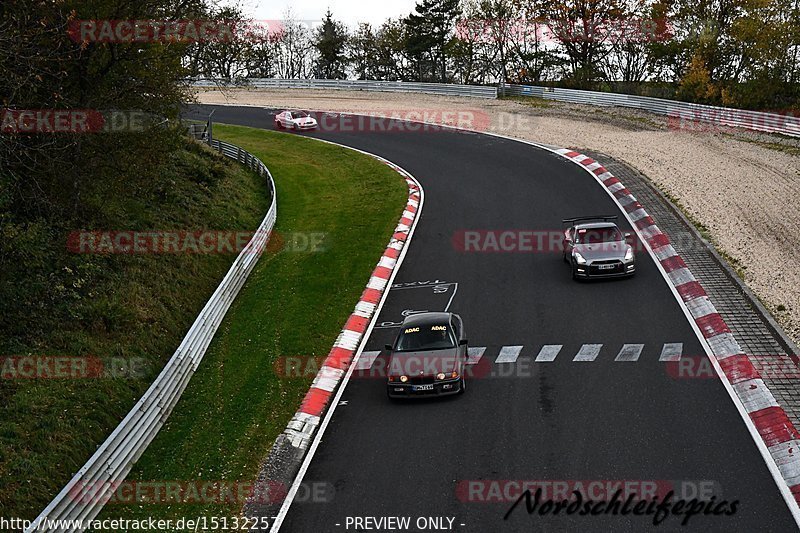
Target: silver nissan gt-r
{"x": 596, "y": 248}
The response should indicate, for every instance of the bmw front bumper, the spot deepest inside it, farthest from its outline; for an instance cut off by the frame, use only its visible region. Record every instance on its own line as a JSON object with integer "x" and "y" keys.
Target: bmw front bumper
{"x": 438, "y": 388}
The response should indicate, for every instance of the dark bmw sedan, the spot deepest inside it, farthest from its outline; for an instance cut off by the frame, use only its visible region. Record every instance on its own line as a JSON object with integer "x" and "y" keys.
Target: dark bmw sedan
{"x": 428, "y": 357}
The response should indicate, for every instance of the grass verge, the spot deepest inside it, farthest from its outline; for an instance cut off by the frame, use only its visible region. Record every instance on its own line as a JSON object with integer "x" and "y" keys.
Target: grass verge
{"x": 133, "y": 308}
{"x": 529, "y": 101}
{"x": 294, "y": 304}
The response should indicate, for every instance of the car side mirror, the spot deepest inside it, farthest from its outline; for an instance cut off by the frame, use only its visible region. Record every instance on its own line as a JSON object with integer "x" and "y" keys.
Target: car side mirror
{"x": 388, "y": 347}
{"x": 463, "y": 342}
{"x": 628, "y": 236}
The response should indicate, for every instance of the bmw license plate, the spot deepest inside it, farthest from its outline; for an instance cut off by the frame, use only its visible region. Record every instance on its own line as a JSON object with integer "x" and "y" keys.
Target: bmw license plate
{"x": 606, "y": 267}
{"x": 422, "y": 387}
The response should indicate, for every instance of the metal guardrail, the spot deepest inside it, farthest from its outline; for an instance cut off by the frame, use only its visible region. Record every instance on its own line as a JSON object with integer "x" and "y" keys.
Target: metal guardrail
{"x": 681, "y": 115}
{"x": 475, "y": 91}
{"x": 91, "y": 487}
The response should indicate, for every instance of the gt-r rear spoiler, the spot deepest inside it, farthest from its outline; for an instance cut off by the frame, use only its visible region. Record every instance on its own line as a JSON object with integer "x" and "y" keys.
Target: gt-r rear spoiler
{"x": 606, "y": 218}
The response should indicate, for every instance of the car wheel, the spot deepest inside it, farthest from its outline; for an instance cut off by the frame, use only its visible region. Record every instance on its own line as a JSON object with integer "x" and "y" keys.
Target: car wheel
{"x": 574, "y": 272}
{"x": 278, "y": 125}
{"x": 564, "y": 257}
{"x": 463, "y": 386}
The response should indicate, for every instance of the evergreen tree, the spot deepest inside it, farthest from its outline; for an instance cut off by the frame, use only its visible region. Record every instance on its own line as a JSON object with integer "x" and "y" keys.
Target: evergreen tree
{"x": 330, "y": 41}
{"x": 430, "y": 29}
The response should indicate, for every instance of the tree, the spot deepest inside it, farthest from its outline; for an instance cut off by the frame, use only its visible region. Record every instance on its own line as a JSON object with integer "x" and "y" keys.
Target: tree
{"x": 580, "y": 28}
{"x": 262, "y": 58}
{"x": 227, "y": 59}
{"x": 630, "y": 58}
{"x": 696, "y": 85}
{"x": 362, "y": 50}
{"x": 429, "y": 30}
{"x": 466, "y": 48}
{"x": 46, "y": 67}
{"x": 330, "y": 41}
{"x": 501, "y": 21}
{"x": 734, "y": 52}
{"x": 531, "y": 60}
{"x": 293, "y": 48}
{"x": 392, "y": 61}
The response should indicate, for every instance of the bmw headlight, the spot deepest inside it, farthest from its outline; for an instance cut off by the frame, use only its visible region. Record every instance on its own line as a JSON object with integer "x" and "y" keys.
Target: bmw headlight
{"x": 440, "y": 376}
{"x": 579, "y": 258}
{"x": 629, "y": 254}
{"x": 403, "y": 379}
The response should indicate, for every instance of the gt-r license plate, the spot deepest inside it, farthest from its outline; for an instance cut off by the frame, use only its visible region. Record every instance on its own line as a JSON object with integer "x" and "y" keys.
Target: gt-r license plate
{"x": 606, "y": 267}
{"x": 422, "y": 387}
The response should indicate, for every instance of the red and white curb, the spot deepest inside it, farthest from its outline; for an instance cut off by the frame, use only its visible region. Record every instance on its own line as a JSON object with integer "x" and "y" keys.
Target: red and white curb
{"x": 777, "y": 432}
{"x": 305, "y": 422}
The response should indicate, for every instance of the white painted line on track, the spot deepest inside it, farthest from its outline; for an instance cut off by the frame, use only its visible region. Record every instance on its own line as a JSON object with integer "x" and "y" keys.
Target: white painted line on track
{"x": 474, "y": 354}
{"x": 548, "y": 353}
{"x": 312, "y": 449}
{"x": 588, "y": 352}
{"x": 508, "y": 354}
{"x": 672, "y": 351}
{"x": 400, "y": 286}
{"x": 630, "y": 352}
{"x": 455, "y": 290}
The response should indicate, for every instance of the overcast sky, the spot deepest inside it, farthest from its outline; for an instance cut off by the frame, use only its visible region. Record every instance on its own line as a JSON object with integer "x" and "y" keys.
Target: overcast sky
{"x": 350, "y": 12}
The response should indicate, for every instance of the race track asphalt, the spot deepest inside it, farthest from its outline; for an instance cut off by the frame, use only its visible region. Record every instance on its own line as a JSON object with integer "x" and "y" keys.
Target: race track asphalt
{"x": 562, "y": 420}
